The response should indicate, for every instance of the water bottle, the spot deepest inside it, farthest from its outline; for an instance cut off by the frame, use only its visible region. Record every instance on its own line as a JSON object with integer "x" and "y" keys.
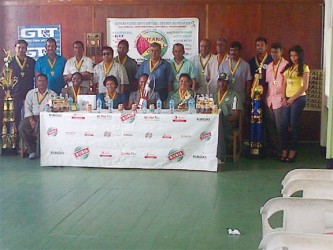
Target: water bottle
{"x": 144, "y": 106}
{"x": 191, "y": 105}
{"x": 159, "y": 105}
{"x": 110, "y": 103}
{"x": 172, "y": 105}
{"x": 99, "y": 105}
{"x": 70, "y": 104}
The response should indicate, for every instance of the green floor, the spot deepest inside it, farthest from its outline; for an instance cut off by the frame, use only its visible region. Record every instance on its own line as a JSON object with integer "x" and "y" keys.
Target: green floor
{"x": 80, "y": 208}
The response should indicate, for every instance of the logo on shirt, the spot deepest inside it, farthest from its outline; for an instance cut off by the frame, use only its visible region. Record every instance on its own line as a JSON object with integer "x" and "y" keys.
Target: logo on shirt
{"x": 205, "y": 136}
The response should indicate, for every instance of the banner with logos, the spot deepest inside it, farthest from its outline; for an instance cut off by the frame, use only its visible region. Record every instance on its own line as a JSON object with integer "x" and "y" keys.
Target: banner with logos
{"x": 141, "y": 32}
{"x": 147, "y": 141}
{"x": 36, "y": 36}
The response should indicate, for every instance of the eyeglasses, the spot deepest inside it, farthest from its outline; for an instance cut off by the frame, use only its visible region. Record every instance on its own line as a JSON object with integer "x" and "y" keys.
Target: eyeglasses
{"x": 106, "y": 53}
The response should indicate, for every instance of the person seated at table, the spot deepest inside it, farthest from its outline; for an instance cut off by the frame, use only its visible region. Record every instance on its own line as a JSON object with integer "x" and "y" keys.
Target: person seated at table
{"x": 111, "y": 84}
{"x": 183, "y": 93}
{"x": 35, "y": 101}
{"x": 76, "y": 89}
{"x": 230, "y": 104}
{"x": 137, "y": 96}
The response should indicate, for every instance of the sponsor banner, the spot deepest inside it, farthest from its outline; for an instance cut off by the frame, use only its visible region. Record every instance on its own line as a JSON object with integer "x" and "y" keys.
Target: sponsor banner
{"x": 141, "y": 32}
{"x": 36, "y": 36}
{"x": 154, "y": 141}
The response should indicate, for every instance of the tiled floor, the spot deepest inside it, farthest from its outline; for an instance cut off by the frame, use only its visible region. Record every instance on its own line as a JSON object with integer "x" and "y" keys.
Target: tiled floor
{"x": 81, "y": 208}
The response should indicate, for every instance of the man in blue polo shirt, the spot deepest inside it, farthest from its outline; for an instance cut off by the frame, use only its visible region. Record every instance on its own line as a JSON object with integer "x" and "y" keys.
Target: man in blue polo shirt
{"x": 160, "y": 68}
{"x": 51, "y": 65}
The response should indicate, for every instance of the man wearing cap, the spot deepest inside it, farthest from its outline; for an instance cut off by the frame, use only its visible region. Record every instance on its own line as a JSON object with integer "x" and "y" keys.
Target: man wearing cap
{"x": 231, "y": 106}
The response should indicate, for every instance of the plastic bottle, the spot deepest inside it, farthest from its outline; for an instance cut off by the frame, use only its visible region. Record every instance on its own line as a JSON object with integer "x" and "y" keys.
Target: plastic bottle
{"x": 144, "y": 106}
{"x": 110, "y": 103}
{"x": 191, "y": 106}
{"x": 159, "y": 105}
{"x": 99, "y": 105}
{"x": 70, "y": 104}
{"x": 172, "y": 106}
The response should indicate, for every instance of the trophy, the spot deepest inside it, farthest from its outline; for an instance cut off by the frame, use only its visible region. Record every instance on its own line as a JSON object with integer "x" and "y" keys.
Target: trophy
{"x": 9, "y": 130}
{"x": 148, "y": 90}
{"x": 256, "y": 122}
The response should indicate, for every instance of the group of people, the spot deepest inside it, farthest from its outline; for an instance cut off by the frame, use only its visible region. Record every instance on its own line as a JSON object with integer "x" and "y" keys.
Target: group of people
{"x": 226, "y": 76}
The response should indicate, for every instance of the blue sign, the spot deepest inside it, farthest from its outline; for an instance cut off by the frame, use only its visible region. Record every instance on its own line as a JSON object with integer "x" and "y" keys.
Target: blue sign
{"x": 36, "y": 36}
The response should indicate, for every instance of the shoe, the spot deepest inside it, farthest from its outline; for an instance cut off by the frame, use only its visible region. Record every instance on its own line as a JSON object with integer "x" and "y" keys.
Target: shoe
{"x": 284, "y": 156}
{"x": 291, "y": 159}
{"x": 32, "y": 156}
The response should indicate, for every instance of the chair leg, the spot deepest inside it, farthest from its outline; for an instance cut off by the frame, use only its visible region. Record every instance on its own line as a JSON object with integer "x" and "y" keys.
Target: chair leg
{"x": 234, "y": 155}
{"x": 21, "y": 148}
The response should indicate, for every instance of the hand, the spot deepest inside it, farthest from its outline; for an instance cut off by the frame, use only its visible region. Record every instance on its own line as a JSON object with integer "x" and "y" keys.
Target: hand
{"x": 32, "y": 123}
{"x": 207, "y": 79}
{"x": 68, "y": 77}
{"x": 290, "y": 101}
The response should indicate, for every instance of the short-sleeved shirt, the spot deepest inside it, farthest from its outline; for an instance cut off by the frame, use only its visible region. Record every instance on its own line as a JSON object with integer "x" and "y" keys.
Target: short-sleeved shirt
{"x": 131, "y": 67}
{"x": 176, "y": 97}
{"x": 254, "y": 67}
{"x": 163, "y": 73}
{"x": 54, "y": 74}
{"x": 275, "y": 84}
{"x": 207, "y": 66}
{"x": 70, "y": 92}
{"x": 185, "y": 66}
{"x": 25, "y": 76}
{"x": 230, "y": 102}
{"x": 32, "y": 105}
{"x": 241, "y": 75}
{"x": 294, "y": 82}
{"x": 71, "y": 68}
{"x": 117, "y": 70}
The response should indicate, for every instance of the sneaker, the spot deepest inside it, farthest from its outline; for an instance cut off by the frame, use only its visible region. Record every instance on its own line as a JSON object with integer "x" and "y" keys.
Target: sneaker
{"x": 32, "y": 156}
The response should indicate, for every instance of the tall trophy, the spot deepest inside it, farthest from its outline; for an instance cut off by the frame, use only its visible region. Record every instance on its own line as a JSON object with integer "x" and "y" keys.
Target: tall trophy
{"x": 256, "y": 121}
{"x": 8, "y": 130}
{"x": 148, "y": 90}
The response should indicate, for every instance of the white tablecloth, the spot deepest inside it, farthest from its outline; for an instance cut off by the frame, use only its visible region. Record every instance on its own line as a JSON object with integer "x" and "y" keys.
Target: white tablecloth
{"x": 151, "y": 141}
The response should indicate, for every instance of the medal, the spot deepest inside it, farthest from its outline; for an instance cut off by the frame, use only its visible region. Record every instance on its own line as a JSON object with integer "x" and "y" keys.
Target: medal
{"x": 264, "y": 66}
{"x": 21, "y": 65}
{"x": 276, "y": 71}
{"x": 107, "y": 69}
{"x": 178, "y": 67}
{"x": 52, "y": 63}
{"x": 22, "y": 74}
{"x": 219, "y": 59}
{"x": 221, "y": 97}
{"x": 204, "y": 65}
{"x": 78, "y": 65}
{"x": 75, "y": 94}
{"x": 52, "y": 73}
{"x": 290, "y": 82}
{"x": 233, "y": 70}
{"x": 153, "y": 67}
{"x": 274, "y": 82}
{"x": 122, "y": 62}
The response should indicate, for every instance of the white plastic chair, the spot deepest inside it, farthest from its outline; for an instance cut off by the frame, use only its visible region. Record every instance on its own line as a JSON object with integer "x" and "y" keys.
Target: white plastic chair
{"x": 312, "y": 189}
{"x": 296, "y": 241}
{"x": 308, "y": 174}
{"x": 299, "y": 215}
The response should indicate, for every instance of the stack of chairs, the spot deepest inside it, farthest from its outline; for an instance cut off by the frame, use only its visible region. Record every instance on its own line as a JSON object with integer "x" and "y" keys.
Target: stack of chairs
{"x": 307, "y": 222}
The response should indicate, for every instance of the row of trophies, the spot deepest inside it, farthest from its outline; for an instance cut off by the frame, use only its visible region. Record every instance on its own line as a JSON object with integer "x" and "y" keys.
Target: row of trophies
{"x": 8, "y": 130}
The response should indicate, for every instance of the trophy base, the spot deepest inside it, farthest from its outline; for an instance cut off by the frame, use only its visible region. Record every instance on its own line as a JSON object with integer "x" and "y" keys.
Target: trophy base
{"x": 9, "y": 151}
{"x": 256, "y": 153}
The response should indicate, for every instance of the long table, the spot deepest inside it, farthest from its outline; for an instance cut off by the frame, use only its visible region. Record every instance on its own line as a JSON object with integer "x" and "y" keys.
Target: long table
{"x": 115, "y": 140}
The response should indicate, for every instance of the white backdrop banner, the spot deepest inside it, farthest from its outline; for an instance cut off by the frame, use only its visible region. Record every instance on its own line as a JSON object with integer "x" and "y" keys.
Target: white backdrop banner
{"x": 152, "y": 141}
{"x": 141, "y": 32}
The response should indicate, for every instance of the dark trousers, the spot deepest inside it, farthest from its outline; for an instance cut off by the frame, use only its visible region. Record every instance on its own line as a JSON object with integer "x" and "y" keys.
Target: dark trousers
{"x": 29, "y": 135}
{"x": 291, "y": 116}
{"x": 272, "y": 122}
{"x": 163, "y": 93}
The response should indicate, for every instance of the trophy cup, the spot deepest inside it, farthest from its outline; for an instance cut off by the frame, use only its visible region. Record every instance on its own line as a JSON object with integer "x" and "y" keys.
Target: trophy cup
{"x": 256, "y": 126}
{"x": 9, "y": 130}
{"x": 148, "y": 90}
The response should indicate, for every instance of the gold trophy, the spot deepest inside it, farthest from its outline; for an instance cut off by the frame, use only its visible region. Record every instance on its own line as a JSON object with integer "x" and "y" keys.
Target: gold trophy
{"x": 9, "y": 131}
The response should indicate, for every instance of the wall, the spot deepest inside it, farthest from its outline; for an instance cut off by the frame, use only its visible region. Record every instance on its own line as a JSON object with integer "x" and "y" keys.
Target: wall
{"x": 288, "y": 21}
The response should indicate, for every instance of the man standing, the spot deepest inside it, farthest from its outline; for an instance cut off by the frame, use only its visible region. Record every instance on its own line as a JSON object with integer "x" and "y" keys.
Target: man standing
{"x": 221, "y": 49}
{"x": 274, "y": 97}
{"x": 35, "y": 102}
{"x": 238, "y": 72}
{"x": 52, "y": 65}
{"x": 160, "y": 68}
{"x": 23, "y": 68}
{"x": 180, "y": 65}
{"x": 206, "y": 68}
{"x": 262, "y": 59}
{"x": 109, "y": 67}
{"x": 79, "y": 63}
{"x": 130, "y": 66}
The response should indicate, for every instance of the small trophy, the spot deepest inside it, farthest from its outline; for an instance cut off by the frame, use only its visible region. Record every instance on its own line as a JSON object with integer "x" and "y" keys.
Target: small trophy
{"x": 148, "y": 90}
{"x": 9, "y": 130}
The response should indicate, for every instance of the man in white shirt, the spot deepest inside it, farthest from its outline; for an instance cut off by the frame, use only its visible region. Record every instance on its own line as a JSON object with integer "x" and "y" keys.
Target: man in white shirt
{"x": 109, "y": 67}
{"x": 79, "y": 63}
{"x": 35, "y": 102}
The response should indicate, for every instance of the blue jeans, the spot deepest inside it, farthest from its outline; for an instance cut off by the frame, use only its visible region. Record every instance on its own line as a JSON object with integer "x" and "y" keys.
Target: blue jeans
{"x": 291, "y": 116}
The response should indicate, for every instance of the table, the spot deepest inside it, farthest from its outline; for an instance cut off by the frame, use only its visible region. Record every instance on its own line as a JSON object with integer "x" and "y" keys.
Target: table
{"x": 115, "y": 140}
